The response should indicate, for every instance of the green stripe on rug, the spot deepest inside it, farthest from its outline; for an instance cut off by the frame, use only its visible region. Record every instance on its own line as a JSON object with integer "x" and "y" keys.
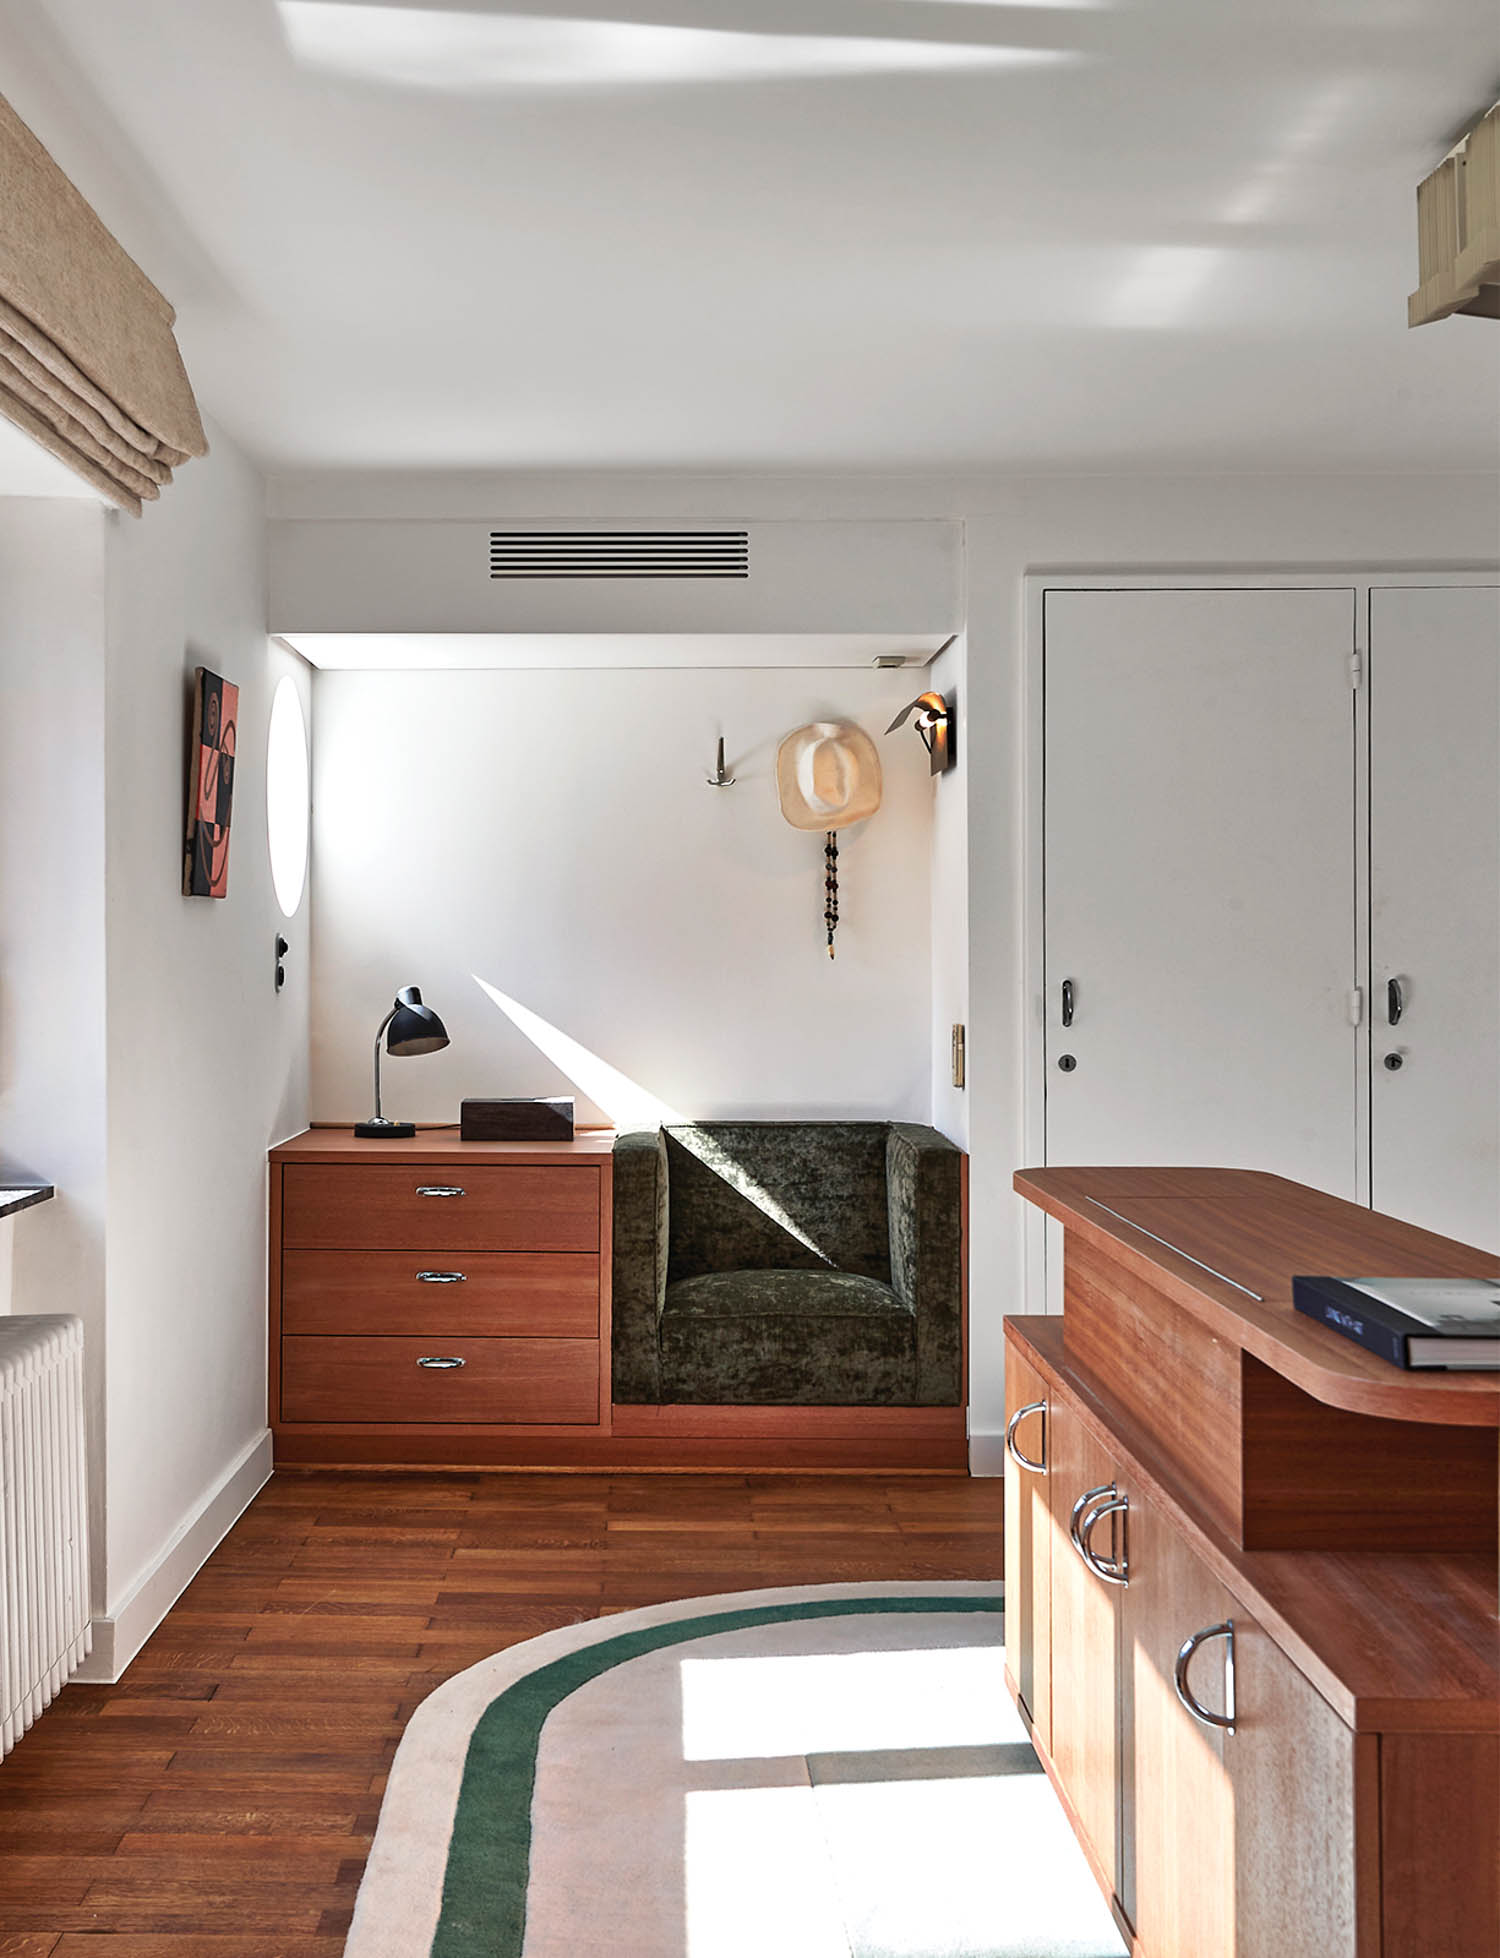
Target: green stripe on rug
{"x": 489, "y": 1856}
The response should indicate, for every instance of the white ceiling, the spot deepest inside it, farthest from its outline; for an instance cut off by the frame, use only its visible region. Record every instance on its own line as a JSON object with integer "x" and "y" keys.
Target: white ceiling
{"x": 787, "y": 233}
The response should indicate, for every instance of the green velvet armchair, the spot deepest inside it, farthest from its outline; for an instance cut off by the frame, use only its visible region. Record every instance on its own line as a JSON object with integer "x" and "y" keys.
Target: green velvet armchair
{"x": 812, "y": 1263}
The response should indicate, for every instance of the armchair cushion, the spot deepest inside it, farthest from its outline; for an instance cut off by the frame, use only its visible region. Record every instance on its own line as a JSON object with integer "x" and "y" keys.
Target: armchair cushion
{"x": 795, "y": 1336}
{"x": 818, "y": 1263}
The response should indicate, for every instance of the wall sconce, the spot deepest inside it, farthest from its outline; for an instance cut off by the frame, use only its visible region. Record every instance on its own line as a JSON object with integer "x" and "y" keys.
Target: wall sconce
{"x": 934, "y": 722}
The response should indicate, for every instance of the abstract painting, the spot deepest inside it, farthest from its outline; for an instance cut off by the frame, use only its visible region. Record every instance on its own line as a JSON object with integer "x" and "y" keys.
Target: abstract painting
{"x": 205, "y": 864}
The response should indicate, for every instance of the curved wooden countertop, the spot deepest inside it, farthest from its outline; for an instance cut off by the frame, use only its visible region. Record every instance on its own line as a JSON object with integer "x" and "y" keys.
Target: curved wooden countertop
{"x": 1223, "y": 1244}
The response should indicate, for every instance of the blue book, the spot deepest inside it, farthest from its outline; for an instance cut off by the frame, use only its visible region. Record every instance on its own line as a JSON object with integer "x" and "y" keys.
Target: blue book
{"x": 1412, "y": 1322}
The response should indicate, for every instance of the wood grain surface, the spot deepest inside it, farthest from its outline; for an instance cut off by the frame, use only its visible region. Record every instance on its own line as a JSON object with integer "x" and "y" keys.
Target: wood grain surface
{"x": 381, "y": 1377}
{"x": 219, "y": 1802}
{"x": 381, "y": 1207}
{"x": 1258, "y": 1231}
{"x": 332, "y": 1143}
{"x": 1394, "y": 1641}
{"x": 488, "y": 1292}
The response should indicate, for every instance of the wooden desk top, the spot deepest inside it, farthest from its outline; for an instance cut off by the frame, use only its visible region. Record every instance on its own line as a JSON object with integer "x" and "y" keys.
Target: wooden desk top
{"x": 1224, "y": 1244}
{"x": 338, "y": 1145}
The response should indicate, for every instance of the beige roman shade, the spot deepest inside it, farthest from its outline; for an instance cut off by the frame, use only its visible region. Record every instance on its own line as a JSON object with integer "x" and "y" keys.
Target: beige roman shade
{"x": 88, "y": 364}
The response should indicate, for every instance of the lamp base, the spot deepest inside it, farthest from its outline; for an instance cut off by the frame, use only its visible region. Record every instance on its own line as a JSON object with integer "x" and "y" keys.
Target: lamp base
{"x": 381, "y": 1130}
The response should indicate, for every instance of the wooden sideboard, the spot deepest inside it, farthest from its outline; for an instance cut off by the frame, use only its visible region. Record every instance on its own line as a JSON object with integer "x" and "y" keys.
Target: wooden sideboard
{"x": 447, "y": 1303}
{"x": 1214, "y": 1508}
{"x": 437, "y": 1300}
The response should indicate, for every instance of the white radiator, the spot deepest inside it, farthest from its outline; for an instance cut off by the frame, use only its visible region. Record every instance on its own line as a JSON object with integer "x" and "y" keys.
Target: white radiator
{"x": 44, "y": 1550}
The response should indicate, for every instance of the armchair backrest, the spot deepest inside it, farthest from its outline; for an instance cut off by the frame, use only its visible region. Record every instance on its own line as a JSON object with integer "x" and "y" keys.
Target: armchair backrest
{"x": 778, "y": 1195}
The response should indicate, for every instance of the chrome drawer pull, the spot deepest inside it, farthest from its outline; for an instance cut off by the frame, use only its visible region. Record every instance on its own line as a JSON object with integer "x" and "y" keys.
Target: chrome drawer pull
{"x": 1020, "y": 1460}
{"x": 1088, "y": 1496}
{"x": 440, "y": 1362}
{"x": 1113, "y": 1570}
{"x": 1180, "y": 1676}
{"x": 441, "y": 1277}
{"x": 438, "y": 1190}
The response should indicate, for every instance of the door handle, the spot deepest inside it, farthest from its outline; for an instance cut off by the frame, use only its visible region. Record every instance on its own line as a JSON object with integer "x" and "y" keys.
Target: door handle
{"x": 1020, "y": 1460}
{"x": 1185, "y": 1692}
{"x": 1067, "y": 1002}
{"x": 1395, "y": 1002}
{"x": 438, "y": 1190}
{"x": 1104, "y": 1491}
{"x": 1112, "y": 1570}
{"x": 441, "y": 1277}
{"x": 440, "y": 1362}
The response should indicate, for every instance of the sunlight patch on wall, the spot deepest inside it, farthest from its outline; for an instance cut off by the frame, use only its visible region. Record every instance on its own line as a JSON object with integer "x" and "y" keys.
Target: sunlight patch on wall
{"x": 627, "y": 1104}
{"x": 423, "y": 48}
{"x": 1274, "y": 186}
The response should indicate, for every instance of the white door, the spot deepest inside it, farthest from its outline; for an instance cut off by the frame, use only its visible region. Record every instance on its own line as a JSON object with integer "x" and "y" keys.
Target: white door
{"x": 1435, "y": 908}
{"x": 1200, "y": 880}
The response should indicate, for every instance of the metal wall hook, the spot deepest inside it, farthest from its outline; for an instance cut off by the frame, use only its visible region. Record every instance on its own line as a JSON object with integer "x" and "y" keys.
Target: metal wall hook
{"x": 720, "y": 779}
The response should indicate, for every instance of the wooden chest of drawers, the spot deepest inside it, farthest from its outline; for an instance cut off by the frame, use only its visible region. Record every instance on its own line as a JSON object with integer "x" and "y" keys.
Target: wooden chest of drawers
{"x": 437, "y": 1300}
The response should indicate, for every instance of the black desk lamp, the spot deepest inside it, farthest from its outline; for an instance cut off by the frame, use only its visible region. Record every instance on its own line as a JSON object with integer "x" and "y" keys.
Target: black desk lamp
{"x": 409, "y": 1028}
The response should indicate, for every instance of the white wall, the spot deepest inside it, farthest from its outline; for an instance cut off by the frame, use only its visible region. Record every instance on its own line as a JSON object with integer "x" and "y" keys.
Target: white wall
{"x": 553, "y": 833}
{"x": 207, "y": 1063}
{"x": 52, "y": 948}
{"x": 950, "y": 899}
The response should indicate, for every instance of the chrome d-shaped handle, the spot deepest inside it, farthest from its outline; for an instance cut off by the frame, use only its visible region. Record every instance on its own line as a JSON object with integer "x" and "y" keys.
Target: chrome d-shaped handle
{"x": 1105, "y": 1489}
{"x": 1111, "y": 1570}
{"x": 1020, "y": 1460}
{"x": 1185, "y": 1692}
{"x": 439, "y": 1190}
{"x": 441, "y": 1277}
{"x": 440, "y": 1362}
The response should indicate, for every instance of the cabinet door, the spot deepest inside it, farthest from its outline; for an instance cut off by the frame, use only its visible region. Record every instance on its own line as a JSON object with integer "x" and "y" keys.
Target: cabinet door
{"x": 1085, "y": 1645}
{"x": 1178, "y": 1868}
{"x": 1299, "y": 1810}
{"x": 1200, "y": 880}
{"x": 1241, "y": 1844}
{"x": 1027, "y": 1543}
{"x": 1435, "y": 908}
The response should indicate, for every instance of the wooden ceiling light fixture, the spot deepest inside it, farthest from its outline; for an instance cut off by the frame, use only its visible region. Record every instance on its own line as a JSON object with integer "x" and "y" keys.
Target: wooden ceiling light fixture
{"x": 1458, "y": 230}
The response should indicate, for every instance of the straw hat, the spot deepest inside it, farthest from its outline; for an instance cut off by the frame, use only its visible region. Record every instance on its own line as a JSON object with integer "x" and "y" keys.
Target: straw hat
{"x": 827, "y": 775}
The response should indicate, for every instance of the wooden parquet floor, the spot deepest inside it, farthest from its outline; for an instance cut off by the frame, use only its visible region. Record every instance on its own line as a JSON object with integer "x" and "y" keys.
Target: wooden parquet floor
{"x": 219, "y": 1802}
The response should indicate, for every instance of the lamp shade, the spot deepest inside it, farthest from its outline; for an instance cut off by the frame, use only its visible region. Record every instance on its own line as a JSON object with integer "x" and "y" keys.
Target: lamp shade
{"x": 414, "y": 1028}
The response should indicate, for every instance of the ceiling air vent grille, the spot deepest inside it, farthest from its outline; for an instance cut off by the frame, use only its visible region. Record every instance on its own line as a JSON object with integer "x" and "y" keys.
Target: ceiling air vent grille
{"x": 619, "y": 554}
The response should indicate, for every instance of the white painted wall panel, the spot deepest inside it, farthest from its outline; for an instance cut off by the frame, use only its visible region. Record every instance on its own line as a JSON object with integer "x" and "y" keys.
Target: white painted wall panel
{"x": 392, "y": 576}
{"x": 1435, "y": 907}
{"x": 554, "y": 835}
{"x": 1200, "y": 880}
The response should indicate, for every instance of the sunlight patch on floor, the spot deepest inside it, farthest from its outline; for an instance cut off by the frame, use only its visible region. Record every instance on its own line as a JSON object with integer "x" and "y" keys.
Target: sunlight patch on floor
{"x": 841, "y": 1702}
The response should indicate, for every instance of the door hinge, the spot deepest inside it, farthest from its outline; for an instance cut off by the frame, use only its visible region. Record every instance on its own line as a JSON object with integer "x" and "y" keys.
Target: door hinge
{"x": 1356, "y": 1006}
{"x": 1356, "y": 670}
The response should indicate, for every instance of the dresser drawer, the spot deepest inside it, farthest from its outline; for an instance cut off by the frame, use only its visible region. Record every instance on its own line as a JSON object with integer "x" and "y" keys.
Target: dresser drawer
{"x": 548, "y": 1293}
{"x": 382, "y": 1379}
{"x": 395, "y": 1206}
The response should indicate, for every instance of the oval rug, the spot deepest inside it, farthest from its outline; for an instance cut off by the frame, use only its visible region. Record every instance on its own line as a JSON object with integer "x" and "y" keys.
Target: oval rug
{"x": 830, "y": 1771}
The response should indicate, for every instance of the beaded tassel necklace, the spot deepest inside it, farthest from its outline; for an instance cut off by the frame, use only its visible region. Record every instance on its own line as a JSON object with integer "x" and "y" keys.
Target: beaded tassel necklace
{"x": 831, "y": 886}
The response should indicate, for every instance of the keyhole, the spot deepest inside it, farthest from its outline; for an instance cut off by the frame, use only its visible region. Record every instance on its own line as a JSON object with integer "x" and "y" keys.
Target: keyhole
{"x": 1067, "y": 1062}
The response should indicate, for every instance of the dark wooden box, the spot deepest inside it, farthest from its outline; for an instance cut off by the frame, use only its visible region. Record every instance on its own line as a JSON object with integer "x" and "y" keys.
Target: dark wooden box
{"x": 517, "y": 1121}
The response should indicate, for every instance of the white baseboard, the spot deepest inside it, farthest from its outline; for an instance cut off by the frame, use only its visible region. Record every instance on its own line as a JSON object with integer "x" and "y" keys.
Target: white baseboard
{"x": 986, "y": 1452}
{"x": 119, "y": 1636}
